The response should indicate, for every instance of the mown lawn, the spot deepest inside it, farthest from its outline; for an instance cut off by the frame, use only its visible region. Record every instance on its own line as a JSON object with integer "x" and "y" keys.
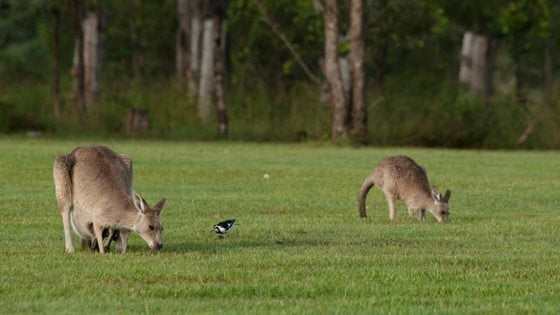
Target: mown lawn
{"x": 300, "y": 246}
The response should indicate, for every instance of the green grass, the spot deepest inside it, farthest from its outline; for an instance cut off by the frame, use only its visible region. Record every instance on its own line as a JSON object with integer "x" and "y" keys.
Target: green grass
{"x": 300, "y": 246}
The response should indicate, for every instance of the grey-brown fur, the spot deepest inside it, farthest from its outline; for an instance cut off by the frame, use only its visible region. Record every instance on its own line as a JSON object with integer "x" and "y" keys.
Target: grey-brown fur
{"x": 94, "y": 193}
{"x": 401, "y": 178}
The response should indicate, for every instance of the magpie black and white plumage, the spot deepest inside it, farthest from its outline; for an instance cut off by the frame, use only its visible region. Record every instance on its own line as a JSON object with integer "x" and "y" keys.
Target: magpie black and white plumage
{"x": 224, "y": 227}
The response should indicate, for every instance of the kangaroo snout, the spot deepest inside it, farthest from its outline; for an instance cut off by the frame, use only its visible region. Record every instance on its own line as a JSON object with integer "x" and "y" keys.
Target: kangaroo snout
{"x": 156, "y": 246}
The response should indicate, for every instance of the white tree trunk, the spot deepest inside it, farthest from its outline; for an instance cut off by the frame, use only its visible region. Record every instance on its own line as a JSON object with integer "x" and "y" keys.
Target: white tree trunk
{"x": 479, "y": 73}
{"x": 476, "y": 63}
{"x": 466, "y": 59}
{"x": 339, "y": 127}
{"x": 346, "y": 78}
{"x": 91, "y": 59}
{"x": 206, "y": 71}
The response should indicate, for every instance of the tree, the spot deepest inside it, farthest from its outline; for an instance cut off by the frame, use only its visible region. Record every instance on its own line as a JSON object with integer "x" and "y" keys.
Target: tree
{"x": 78, "y": 71}
{"x": 206, "y": 85}
{"x": 200, "y": 55}
{"x": 219, "y": 45}
{"x": 339, "y": 112}
{"x": 195, "y": 43}
{"x": 476, "y": 63}
{"x": 525, "y": 24}
{"x": 87, "y": 58}
{"x": 345, "y": 77}
{"x": 187, "y": 45}
{"x": 182, "y": 46}
{"x": 359, "y": 115}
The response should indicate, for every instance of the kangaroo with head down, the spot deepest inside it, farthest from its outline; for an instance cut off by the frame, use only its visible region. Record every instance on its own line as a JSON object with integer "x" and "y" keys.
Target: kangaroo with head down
{"x": 401, "y": 178}
{"x": 94, "y": 193}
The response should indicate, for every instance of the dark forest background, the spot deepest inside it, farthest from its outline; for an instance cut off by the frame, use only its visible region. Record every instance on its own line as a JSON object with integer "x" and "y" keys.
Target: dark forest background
{"x": 476, "y": 74}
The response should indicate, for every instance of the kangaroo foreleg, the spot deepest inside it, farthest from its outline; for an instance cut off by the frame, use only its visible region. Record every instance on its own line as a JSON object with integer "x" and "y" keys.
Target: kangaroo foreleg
{"x": 98, "y": 231}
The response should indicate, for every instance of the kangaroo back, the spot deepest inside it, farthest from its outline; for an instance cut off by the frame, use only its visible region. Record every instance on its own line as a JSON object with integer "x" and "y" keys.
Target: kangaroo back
{"x": 403, "y": 177}
{"x": 101, "y": 176}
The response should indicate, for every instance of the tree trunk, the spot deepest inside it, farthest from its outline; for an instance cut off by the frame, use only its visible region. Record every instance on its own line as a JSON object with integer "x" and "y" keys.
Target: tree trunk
{"x": 219, "y": 45}
{"x": 92, "y": 60}
{"x": 56, "y": 63}
{"x": 332, "y": 72}
{"x": 137, "y": 122}
{"x": 87, "y": 63}
{"x": 195, "y": 38}
{"x": 206, "y": 70}
{"x": 182, "y": 46}
{"x": 466, "y": 59}
{"x": 359, "y": 115}
{"x": 78, "y": 68}
{"x": 477, "y": 63}
{"x": 346, "y": 77}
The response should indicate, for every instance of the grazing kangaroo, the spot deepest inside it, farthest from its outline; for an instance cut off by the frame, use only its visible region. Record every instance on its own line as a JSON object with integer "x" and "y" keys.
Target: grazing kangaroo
{"x": 94, "y": 193}
{"x": 401, "y": 178}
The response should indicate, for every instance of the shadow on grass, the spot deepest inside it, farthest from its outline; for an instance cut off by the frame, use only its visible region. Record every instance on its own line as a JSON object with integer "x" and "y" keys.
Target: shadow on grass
{"x": 221, "y": 246}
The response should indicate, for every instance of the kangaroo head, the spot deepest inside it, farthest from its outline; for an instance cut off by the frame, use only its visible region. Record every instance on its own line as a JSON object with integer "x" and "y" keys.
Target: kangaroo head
{"x": 440, "y": 208}
{"x": 148, "y": 224}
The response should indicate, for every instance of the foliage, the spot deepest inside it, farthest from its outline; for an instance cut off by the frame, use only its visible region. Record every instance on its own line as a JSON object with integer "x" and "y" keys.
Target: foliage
{"x": 251, "y": 56}
{"x": 140, "y": 46}
{"x": 411, "y": 71}
{"x": 23, "y": 109}
{"x": 21, "y": 39}
{"x": 530, "y": 17}
{"x": 300, "y": 246}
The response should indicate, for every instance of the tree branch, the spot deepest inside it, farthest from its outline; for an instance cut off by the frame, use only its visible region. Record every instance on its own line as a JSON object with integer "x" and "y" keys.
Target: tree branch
{"x": 527, "y": 132}
{"x": 276, "y": 30}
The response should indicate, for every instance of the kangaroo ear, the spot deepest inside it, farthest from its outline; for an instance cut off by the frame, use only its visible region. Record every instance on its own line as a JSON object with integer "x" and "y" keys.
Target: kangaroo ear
{"x": 159, "y": 206}
{"x": 447, "y": 196}
{"x": 139, "y": 202}
{"x": 435, "y": 194}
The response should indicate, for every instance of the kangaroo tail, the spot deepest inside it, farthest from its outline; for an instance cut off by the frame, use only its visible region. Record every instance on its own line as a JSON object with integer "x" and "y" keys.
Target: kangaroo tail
{"x": 62, "y": 170}
{"x": 366, "y": 186}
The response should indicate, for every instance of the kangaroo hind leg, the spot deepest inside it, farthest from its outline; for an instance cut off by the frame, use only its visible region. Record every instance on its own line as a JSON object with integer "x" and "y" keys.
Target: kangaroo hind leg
{"x": 62, "y": 171}
{"x": 391, "y": 200}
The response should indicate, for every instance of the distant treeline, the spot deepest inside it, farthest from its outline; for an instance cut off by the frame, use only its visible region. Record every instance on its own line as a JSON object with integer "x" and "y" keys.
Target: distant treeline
{"x": 448, "y": 73}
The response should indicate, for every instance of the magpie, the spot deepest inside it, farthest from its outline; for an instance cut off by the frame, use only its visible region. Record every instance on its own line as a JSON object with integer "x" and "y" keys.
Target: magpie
{"x": 224, "y": 227}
